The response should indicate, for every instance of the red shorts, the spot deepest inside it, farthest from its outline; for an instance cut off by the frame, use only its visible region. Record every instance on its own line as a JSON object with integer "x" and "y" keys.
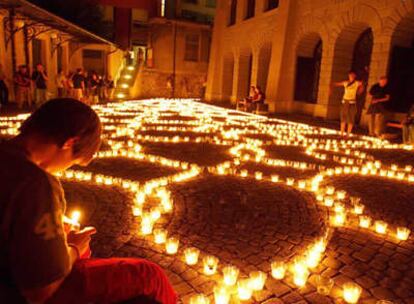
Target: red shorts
{"x": 115, "y": 280}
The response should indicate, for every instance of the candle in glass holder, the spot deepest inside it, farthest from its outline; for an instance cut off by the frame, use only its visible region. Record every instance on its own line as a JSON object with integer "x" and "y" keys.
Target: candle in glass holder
{"x": 403, "y": 233}
{"x": 199, "y": 299}
{"x": 160, "y": 236}
{"x": 302, "y": 184}
{"x": 364, "y": 221}
{"x": 257, "y": 280}
{"x": 300, "y": 278}
{"x": 381, "y": 227}
{"x": 330, "y": 190}
{"x": 339, "y": 207}
{"x": 324, "y": 285}
{"x": 339, "y": 219}
{"x": 290, "y": 181}
{"x": 258, "y": 175}
{"x": 146, "y": 224}
{"x": 171, "y": 246}
{"x": 191, "y": 255}
{"x": 243, "y": 173}
{"x": 230, "y": 275}
{"x": 275, "y": 178}
{"x": 313, "y": 258}
{"x": 328, "y": 201}
{"x": 358, "y": 208}
{"x": 244, "y": 291}
{"x": 155, "y": 214}
{"x": 351, "y": 292}
{"x": 137, "y": 211}
{"x": 341, "y": 195}
{"x": 278, "y": 270}
{"x": 221, "y": 295}
{"x": 210, "y": 265}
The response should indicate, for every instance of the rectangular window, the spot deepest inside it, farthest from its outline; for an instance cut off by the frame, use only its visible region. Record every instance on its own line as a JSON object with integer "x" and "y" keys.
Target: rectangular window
{"x": 272, "y": 4}
{"x": 251, "y": 6}
{"x": 233, "y": 12}
{"x": 192, "y": 47}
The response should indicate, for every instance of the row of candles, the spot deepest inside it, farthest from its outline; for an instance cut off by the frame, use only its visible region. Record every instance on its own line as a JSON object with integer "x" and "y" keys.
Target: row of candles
{"x": 282, "y": 132}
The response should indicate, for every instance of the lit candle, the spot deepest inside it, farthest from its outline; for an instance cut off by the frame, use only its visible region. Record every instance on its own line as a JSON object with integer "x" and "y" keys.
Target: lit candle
{"x": 221, "y": 295}
{"x": 339, "y": 207}
{"x": 328, "y": 201}
{"x": 290, "y": 181}
{"x": 381, "y": 227}
{"x": 275, "y": 178}
{"x": 75, "y": 217}
{"x": 351, "y": 292}
{"x": 210, "y": 265}
{"x": 146, "y": 224}
{"x": 364, "y": 221}
{"x": 243, "y": 173}
{"x": 191, "y": 255}
{"x": 302, "y": 184}
{"x": 359, "y": 208}
{"x": 278, "y": 270}
{"x": 330, "y": 190}
{"x": 244, "y": 291}
{"x": 313, "y": 258}
{"x": 300, "y": 278}
{"x": 258, "y": 175}
{"x": 137, "y": 211}
{"x": 230, "y": 274}
{"x": 257, "y": 280}
{"x": 155, "y": 214}
{"x": 160, "y": 236}
{"x": 403, "y": 233}
{"x": 199, "y": 299}
{"x": 171, "y": 246}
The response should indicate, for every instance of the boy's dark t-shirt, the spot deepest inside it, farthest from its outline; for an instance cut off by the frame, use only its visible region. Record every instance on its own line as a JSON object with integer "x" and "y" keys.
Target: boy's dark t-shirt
{"x": 77, "y": 81}
{"x": 378, "y": 92}
{"x": 33, "y": 248}
{"x": 39, "y": 80}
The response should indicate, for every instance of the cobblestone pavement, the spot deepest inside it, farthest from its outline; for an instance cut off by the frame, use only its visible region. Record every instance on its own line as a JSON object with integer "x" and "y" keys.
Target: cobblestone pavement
{"x": 249, "y": 191}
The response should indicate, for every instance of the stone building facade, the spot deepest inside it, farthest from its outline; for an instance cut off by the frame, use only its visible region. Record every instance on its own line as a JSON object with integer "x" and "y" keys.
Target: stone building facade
{"x": 295, "y": 49}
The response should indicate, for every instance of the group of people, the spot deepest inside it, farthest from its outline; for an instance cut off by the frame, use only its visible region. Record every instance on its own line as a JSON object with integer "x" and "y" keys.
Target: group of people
{"x": 32, "y": 88}
{"x": 379, "y": 95}
{"x": 250, "y": 103}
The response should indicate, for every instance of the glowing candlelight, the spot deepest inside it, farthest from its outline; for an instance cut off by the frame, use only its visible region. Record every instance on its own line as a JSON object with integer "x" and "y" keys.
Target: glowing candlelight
{"x": 300, "y": 278}
{"x": 230, "y": 274}
{"x": 328, "y": 201}
{"x": 257, "y": 280}
{"x": 330, "y": 190}
{"x": 171, "y": 246}
{"x": 155, "y": 214}
{"x": 351, "y": 292}
{"x": 339, "y": 207}
{"x": 258, "y": 175}
{"x": 403, "y": 233}
{"x": 137, "y": 211}
{"x": 341, "y": 195}
{"x": 290, "y": 181}
{"x": 243, "y": 173}
{"x": 221, "y": 295}
{"x": 302, "y": 184}
{"x": 160, "y": 236}
{"x": 313, "y": 258}
{"x": 364, "y": 221}
{"x": 244, "y": 291}
{"x": 199, "y": 299}
{"x": 278, "y": 270}
{"x": 146, "y": 224}
{"x": 75, "y": 217}
{"x": 191, "y": 255}
{"x": 359, "y": 208}
{"x": 381, "y": 227}
{"x": 210, "y": 265}
{"x": 275, "y": 178}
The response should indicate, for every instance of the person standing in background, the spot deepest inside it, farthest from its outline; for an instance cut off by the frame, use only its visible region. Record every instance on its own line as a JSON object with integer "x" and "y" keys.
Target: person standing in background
{"x": 353, "y": 88}
{"x": 379, "y": 94}
{"x": 61, "y": 84}
{"x": 4, "y": 90}
{"x": 22, "y": 81}
{"x": 40, "y": 79}
{"x": 78, "y": 81}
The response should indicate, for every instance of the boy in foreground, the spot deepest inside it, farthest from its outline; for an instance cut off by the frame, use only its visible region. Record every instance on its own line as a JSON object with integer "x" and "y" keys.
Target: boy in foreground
{"x": 39, "y": 261}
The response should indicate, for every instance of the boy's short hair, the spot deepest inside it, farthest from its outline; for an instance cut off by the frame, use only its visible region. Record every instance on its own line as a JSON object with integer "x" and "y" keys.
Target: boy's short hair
{"x": 63, "y": 118}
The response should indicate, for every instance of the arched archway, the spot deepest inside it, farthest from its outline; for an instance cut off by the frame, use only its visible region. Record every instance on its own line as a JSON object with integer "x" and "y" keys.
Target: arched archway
{"x": 353, "y": 49}
{"x": 401, "y": 65}
{"x": 265, "y": 54}
{"x": 245, "y": 73}
{"x": 227, "y": 77}
{"x": 308, "y": 68}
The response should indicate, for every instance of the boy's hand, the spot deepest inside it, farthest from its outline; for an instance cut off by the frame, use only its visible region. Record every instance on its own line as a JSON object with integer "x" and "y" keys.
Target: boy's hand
{"x": 81, "y": 239}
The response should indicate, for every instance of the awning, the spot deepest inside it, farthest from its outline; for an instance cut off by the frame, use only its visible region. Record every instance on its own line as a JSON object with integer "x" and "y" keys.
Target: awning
{"x": 40, "y": 16}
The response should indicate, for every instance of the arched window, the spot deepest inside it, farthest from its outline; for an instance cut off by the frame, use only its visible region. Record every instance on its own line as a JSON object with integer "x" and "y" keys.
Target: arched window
{"x": 233, "y": 12}
{"x": 250, "y": 9}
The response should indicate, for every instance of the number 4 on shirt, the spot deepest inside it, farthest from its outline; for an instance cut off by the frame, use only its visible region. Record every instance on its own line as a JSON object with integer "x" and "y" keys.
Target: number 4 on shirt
{"x": 47, "y": 226}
